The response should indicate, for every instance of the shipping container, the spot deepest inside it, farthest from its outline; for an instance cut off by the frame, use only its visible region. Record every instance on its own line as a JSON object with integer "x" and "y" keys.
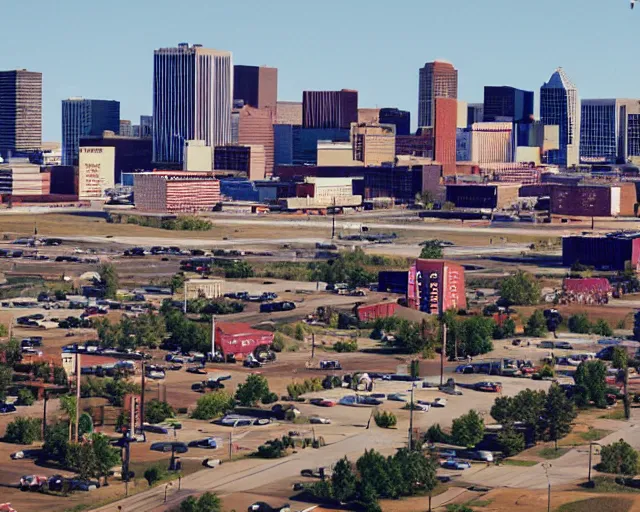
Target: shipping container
{"x": 240, "y": 339}
{"x": 370, "y": 312}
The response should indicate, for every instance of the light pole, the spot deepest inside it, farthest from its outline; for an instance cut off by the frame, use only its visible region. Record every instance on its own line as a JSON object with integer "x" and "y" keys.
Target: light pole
{"x": 413, "y": 386}
{"x": 546, "y": 467}
{"x": 590, "y": 450}
{"x": 165, "y": 491}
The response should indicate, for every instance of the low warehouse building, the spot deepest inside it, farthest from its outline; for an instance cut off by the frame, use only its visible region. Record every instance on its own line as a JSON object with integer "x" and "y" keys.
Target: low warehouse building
{"x": 609, "y": 252}
{"x": 490, "y": 196}
{"x": 593, "y": 200}
{"x": 176, "y": 192}
{"x": 203, "y": 288}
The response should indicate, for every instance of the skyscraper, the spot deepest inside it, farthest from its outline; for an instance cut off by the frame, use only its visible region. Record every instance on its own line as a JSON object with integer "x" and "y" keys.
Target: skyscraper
{"x": 559, "y": 105}
{"x": 329, "y": 109}
{"x": 20, "y": 111}
{"x": 504, "y": 103}
{"x": 401, "y": 118}
{"x": 82, "y": 117}
{"x": 126, "y": 129}
{"x": 437, "y": 80}
{"x": 192, "y": 99}
{"x": 255, "y": 127}
{"x": 603, "y": 129}
{"x": 475, "y": 113}
{"x": 257, "y": 86}
{"x": 146, "y": 126}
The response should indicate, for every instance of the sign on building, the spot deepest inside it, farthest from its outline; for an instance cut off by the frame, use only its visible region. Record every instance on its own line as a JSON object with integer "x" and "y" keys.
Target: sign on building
{"x": 96, "y": 171}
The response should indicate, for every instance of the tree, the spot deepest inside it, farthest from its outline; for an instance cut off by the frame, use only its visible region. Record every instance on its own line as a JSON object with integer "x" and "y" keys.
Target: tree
{"x": 154, "y": 474}
{"x": 23, "y": 430}
{"x": 107, "y": 456}
{"x": 431, "y": 250}
{"x": 591, "y": 385}
{"x": 239, "y": 270}
{"x": 68, "y": 406}
{"x": 12, "y": 352}
{"x": 511, "y": 441}
{"x": 526, "y": 407}
{"x": 468, "y": 429}
{"x": 60, "y": 376}
{"x": 373, "y": 470}
{"x": 252, "y": 390}
{"x": 619, "y": 358}
{"x": 536, "y": 325}
{"x": 4, "y": 331}
{"x": 474, "y": 336}
{"x": 619, "y": 458}
{"x": 558, "y": 414}
{"x": 212, "y": 405}
{"x": 579, "y": 323}
{"x": 108, "y": 280}
{"x": 435, "y": 434}
{"x": 177, "y": 282}
{"x": 56, "y": 442}
{"x": 602, "y": 328}
{"x": 520, "y": 289}
{"x": 82, "y": 458}
{"x": 385, "y": 419}
{"x": 343, "y": 481}
{"x": 85, "y": 424}
{"x": 6, "y": 378}
{"x": 506, "y": 330}
{"x": 156, "y": 411}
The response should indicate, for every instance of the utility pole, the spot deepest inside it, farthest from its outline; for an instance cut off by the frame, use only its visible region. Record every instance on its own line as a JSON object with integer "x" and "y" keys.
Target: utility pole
{"x": 313, "y": 344}
{"x": 184, "y": 308}
{"x": 443, "y": 352}
{"x": 333, "y": 222}
{"x": 77, "y": 392}
{"x": 230, "y": 443}
{"x": 141, "y": 401}
{"x": 44, "y": 415}
{"x": 413, "y": 386}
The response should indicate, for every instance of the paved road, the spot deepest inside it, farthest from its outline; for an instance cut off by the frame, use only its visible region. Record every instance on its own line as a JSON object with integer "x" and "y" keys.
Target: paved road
{"x": 245, "y": 475}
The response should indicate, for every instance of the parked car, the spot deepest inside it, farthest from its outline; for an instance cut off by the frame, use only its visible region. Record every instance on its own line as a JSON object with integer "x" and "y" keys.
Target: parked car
{"x": 208, "y": 443}
{"x": 6, "y": 408}
{"x": 439, "y": 402}
{"x": 397, "y": 397}
{"x": 76, "y": 484}
{"x": 197, "y": 369}
{"x": 489, "y": 387}
{"x": 316, "y": 420}
{"x": 483, "y": 455}
{"x": 32, "y": 482}
{"x": 455, "y": 464}
{"x": 447, "y": 453}
{"x": 261, "y": 506}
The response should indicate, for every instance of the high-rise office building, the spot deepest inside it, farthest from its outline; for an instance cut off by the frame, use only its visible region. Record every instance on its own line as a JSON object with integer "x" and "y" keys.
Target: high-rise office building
{"x": 20, "y": 111}
{"x": 633, "y": 138}
{"x": 255, "y": 128}
{"x": 559, "y": 105}
{"x": 603, "y": 129}
{"x": 368, "y": 115}
{"x": 192, "y": 99}
{"x": 400, "y": 118}
{"x": 82, "y": 117}
{"x": 256, "y": 86}
{"x": 475, "y": 113}
{"x": 444, "y": 133}
{"x": 373, "y": 144}
{"x": 504, "y": 103}
{"x": 437, "y": 80}
{"x": 289, "y": 112}
{"x": 329, "y": 109}
{"x": 146, "y": 126}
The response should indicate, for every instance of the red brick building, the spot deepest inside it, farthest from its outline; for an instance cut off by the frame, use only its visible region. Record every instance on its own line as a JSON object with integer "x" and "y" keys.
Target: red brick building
{"x": 176, "y": 192}
{"x": 444, "y": 133}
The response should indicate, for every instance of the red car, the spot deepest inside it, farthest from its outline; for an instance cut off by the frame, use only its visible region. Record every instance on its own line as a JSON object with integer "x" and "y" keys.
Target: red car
{"x": 489, "y": 387}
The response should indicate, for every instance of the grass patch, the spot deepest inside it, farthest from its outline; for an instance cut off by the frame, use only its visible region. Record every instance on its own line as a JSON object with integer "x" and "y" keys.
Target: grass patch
{"x": 608, "y": 504}
{"x": 615, "y": 414}
{"x": 479, "y": 503}
{"x": 608, "y": 485}
{"x": 551, "y": 453}
{"x": 594, "y": 434}
{"x": 517, "y": 462}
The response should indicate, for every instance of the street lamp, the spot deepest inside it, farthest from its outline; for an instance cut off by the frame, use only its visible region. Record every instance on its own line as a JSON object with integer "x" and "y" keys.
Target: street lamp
{"x": 166, "y": 489}
{"x": 413, "y": 387}
{"x": 546, "y": 466}
{"x": 590, "y": 450}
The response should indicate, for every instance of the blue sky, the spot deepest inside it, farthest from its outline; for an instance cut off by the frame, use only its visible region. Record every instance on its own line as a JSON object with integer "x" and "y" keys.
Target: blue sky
{"x": 104, "y": 49}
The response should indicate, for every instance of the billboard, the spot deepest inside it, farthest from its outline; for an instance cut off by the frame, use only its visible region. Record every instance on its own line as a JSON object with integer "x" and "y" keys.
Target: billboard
{"x": 96, "y": 171}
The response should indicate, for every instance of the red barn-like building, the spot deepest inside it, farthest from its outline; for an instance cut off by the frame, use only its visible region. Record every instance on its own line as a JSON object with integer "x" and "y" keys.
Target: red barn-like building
{"x": 240, "y": 339}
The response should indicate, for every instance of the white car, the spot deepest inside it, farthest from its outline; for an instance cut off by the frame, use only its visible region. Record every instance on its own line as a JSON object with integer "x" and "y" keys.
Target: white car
{"x": 422, "y": 406}
{"x": 320, "y": 421}
{"x": 439, "y": 402}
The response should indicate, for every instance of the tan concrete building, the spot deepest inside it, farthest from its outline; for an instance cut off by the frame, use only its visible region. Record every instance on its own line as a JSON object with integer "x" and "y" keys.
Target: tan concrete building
{"x": 204, "y": 288}
{"x": 96, "y": 171}
{"x": 368, "y": 115}
{"x": 197, "y": 156}
{"x": 373, "y": 144}
{"x": 289, "y": 112}
{"x": 491, "y": 142}
{"x": 332, "y": 153}
{"x": 323, "y": 193}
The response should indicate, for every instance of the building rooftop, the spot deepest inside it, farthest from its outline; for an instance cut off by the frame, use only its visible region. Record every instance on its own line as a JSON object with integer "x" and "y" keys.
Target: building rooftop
{"x": 559, "y": 80}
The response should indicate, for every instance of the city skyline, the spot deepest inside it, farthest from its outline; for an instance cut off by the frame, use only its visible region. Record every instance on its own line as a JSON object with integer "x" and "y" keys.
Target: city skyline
{"x": 124, "y": 69}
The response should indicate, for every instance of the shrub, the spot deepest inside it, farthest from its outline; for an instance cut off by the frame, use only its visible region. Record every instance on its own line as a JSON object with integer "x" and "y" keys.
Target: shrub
{"x": 546, "y": 372}
{"x": 25, "y": 397}
{"x": 156, "y": 411}
{"x": 435, "y": 434}
{"x": 273, "y": 449}
{"x": 385, "y": 419}
{"x": 579, "y": 324}
{"x": 520, "y": 289}
{"x": 295, "y": 389}
{"x": 536, "y": 325}
{"x": 254, "y": 389}
{"x": 345, "y": 346}
{"x": 212, "y": 405}
{"x": 602, "y": 328}
{"x": 619, "y": 458}
{"x": 300, "y": 331}
{"x": 154, "y": 474}
{"x": 23, "y": 431}
{"x": 278, "y": 342}
{"x": 269, "y": 398}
